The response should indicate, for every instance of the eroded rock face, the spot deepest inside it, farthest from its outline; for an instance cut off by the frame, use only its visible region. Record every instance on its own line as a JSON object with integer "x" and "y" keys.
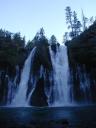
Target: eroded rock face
{"x": 38, "y": 97}
{"x": 41, "y": 60}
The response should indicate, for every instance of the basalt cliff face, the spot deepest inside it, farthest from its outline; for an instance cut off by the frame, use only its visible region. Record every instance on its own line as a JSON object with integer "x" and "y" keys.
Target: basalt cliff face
{"x": 82, "y": 61}
{"x": 40, "y": 72}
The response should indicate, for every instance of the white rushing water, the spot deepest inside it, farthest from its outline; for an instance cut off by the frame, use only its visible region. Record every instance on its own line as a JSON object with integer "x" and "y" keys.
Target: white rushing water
{"x": 56, "y": 87}
{"x": 60, "y": 76}
{"x": 20, "y": 98}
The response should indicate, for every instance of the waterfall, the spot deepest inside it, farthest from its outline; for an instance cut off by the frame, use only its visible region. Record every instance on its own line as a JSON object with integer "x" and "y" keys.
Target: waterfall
{"x": 84, "y": 84}
{"x": 12, "y": 86}
{"x": 20, "y": 98}
{"x": 60, "y": 76}
{"x": 58, "y": 90}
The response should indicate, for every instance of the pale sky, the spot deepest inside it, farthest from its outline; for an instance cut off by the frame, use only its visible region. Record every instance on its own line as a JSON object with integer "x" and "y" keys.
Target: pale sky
{"x": 28, "y": 16}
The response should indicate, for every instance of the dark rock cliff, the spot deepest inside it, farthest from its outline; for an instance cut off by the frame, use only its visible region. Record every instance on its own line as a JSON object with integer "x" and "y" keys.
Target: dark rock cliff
{"x": 82, "y": 60}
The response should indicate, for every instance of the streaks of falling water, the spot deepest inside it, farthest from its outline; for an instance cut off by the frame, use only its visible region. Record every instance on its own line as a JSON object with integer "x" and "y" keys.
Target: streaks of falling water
{"x": 20, "y": 98}
{"x": 60, "y": 76}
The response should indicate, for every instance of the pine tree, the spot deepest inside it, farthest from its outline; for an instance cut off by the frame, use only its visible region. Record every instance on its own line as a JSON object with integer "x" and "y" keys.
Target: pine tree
{"x": 84, "y": 21}
{"x": 65, "y": 37}
{"x": 73, "y": 23}
{"x": 76, "y": 25}
{"x": 69, "y": 19}
{"x": 53, "y": 40}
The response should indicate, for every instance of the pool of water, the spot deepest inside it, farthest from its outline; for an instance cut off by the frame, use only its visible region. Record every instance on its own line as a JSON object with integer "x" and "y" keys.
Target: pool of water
{"x": 53, "y": 117}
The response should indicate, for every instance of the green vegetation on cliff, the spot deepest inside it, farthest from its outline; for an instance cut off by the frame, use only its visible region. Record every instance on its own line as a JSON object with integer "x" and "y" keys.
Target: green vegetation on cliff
{"x": 12, "y": 47}
{"x": 83, "y": 47}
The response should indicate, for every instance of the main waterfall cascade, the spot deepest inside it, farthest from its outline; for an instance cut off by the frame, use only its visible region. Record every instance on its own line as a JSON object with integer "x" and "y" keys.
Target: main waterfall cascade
{"x": 58, "y": 92}
{"x": 61, "y": 89}
{"x": 20, "y": 98}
